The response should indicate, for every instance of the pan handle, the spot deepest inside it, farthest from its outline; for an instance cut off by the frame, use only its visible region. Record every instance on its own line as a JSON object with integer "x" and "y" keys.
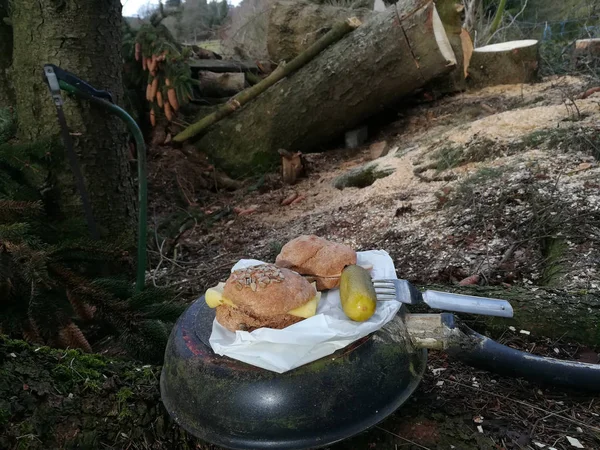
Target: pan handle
{"x": 482, "y": 352}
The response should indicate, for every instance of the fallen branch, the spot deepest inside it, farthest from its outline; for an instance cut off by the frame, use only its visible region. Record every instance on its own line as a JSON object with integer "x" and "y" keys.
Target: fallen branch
{"x": 334, "y": 35}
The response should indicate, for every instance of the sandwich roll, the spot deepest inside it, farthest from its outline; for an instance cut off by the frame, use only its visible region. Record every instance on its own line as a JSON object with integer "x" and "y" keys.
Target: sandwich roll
{"x": 263, "y": 296}
{"x": 318, "y": 259}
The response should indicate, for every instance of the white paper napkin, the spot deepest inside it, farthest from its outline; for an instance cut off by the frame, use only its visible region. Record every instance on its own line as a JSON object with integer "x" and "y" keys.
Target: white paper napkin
{"x": 313, "y": 338}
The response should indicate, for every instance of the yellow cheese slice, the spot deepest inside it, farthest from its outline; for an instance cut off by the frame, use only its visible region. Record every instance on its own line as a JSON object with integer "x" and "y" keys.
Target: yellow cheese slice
{"x": 308, "y": 309}
{"x": 214, "y": 297}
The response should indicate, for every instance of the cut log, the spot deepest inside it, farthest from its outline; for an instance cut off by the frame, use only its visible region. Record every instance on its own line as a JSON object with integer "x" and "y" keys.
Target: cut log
{"x": 294, "y": 26}
{"x": 387, "y": 58}
{"x": 222, "y": 65}
{"x": 510, "y": 62}
{"x": 226, "y": 84}
{"x": 586, "y": 52}
{"x": 588, "y": 47}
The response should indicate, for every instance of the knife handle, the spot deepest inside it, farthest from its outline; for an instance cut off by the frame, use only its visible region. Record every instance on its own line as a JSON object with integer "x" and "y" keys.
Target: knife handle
{"x": 467, "y": 304}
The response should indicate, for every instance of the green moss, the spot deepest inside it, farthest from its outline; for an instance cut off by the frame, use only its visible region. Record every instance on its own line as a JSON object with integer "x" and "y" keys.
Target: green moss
{"x": 362, "y": 176}
{"x": 553, "y": 250}
{"x": 76, "y": 368}
{"x": 124, "y": 394}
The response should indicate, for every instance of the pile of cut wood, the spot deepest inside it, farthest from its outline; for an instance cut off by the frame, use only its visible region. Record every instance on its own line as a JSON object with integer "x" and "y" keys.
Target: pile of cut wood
{"x": 327, "y": 83}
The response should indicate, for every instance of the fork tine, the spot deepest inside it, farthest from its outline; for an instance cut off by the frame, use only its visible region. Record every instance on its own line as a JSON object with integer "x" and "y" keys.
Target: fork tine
{"x": 384, "y": 286}
{"x": 385, "y": 291}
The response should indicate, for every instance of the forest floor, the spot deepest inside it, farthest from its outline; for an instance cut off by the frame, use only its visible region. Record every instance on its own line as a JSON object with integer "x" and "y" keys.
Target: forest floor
{"x": 500, "y": 185}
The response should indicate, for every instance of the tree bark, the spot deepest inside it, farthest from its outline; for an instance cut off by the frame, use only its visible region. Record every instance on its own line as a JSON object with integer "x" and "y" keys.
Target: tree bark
{"x": 6, "y": 49}
{"x": 295, "y": 26}
{"x": 385, "y": 59}
{"x": 85, "y": 39}
{"x": 511, "y": 62}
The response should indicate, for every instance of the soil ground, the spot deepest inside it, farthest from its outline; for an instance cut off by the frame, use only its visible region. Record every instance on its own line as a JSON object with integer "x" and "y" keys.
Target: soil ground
{"x": 499, "y": 184}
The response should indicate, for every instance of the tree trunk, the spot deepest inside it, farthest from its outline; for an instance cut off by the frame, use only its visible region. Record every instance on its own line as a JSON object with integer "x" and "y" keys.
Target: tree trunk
{"x": 6, "y": 48}
{"x": 85, "y": 39}
{"x": 511, "y": 62}
{"x": 385, "y": 59}
{"x": 295, "y": 26}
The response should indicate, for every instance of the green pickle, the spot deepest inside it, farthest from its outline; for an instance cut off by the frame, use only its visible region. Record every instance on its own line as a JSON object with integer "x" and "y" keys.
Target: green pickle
{"x": 357, "y": 293}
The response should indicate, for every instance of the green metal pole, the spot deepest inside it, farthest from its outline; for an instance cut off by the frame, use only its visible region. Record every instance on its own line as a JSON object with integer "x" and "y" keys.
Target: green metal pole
{"x": 142, "y": 176}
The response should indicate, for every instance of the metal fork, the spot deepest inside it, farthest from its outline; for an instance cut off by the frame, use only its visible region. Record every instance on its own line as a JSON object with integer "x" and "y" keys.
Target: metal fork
{"x": 403, "y": 291}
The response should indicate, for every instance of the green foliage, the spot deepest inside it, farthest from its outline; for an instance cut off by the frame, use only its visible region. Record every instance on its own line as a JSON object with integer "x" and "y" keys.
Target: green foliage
{"x": 164, "y": 63}
{"x": 56, "y": 285}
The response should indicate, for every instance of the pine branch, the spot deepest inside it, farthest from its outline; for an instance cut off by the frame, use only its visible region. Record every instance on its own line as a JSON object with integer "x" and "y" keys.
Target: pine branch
{"x": 149, "y": 296}
{"x": 10, "y": 210}
{"x": 166, "y": 312}
{"x": 120, "y": 288}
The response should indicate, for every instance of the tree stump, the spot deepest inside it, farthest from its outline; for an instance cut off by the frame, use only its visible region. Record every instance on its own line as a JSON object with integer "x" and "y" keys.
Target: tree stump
{"x": 510, "y": 62}
{"x": 586, "y": 53}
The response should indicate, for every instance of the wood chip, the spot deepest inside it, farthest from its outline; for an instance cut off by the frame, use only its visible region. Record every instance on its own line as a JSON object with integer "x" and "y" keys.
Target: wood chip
{"x": 473, "y": 279}
{"x": 298, "y": 199}
{"x": 289, "y": 199}
{"x": 247, "y": 211}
